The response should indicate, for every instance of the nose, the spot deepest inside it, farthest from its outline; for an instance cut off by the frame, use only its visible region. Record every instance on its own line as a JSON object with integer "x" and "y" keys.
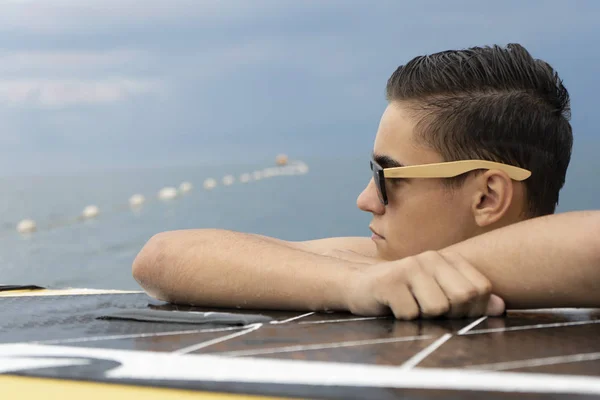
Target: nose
{"x": 368, "y": 200}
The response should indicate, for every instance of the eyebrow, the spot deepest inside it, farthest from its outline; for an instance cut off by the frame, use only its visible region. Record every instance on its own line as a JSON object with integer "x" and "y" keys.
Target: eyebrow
{"x": 386, "y": 161}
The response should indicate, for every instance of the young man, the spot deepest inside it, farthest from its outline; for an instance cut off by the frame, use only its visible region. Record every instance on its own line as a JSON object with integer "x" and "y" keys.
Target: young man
{"x": 468, "y": 161}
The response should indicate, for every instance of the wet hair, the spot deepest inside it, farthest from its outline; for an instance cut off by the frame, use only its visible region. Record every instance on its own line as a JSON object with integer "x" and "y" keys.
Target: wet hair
{"x": 492, "y": 103}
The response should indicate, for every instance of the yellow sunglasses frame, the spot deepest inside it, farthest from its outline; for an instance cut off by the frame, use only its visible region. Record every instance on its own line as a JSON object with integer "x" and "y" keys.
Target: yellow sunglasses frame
{"x": 454, "y": 168}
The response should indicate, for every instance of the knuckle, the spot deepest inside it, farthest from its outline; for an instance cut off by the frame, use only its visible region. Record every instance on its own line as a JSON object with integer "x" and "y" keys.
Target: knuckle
{"x": 437, "y": 310}
{"x": 484, "y": 288}
{"x": 465, "y": 296}
{"x": 452, "y": 254}
{"x": 411, "y": 267}
{"x": 407, "y": 315}
{"x": 429, "y": 256}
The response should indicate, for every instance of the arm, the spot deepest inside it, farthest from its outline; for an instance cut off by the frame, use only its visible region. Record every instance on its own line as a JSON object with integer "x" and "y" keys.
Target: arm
{"x": 551, "y": 261}
{"x": 545, "y": 262}
{"x": 218, "y": 268}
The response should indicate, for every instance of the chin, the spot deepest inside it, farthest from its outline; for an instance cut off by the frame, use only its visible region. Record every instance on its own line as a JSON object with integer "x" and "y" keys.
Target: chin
{"x": 383, "y": 252}
{"x": 396, "y": 254}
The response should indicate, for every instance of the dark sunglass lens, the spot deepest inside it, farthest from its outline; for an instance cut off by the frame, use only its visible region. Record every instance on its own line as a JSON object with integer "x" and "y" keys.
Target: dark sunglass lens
{"x": 379, "y": 181}
{"x": 380, "y": 190}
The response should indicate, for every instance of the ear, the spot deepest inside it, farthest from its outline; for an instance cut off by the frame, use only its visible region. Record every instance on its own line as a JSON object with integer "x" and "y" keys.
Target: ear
{"x": 493, "y": 197}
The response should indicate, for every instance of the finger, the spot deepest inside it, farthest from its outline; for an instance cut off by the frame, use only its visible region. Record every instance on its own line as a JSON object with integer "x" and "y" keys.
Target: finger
{"x": 487, "y": 303}
{"x": 495, "y": 307}
{"x": 427, "y": 292}
{"x": 401, "y": 302}
{"x": 458, "y": 289}
{"x": 481, "y": 284}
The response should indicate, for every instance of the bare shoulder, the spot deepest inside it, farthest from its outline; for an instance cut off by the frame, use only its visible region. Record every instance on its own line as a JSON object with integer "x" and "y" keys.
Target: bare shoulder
{"x": 360, "y": 249}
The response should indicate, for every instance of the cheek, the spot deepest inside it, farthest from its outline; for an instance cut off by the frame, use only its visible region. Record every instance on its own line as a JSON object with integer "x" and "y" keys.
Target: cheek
{"x": 412, "y": 205}
{"x": 406, "y": 228}
{"x": 419, "y": 222}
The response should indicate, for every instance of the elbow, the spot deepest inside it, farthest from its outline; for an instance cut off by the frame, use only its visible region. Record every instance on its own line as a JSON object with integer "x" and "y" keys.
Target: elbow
{"x": 590, "y": 278}
{"x": 596, "y": 235}
{"x": 596, "y": 250}
{"x": 593, "y": 234}
{"x": 148, "y": 266}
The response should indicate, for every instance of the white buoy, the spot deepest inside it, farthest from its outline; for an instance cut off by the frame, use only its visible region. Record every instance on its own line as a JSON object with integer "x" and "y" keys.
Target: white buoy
{"x": 26, "y": 226}
{"x": 245, "y": 178}
{"x": 302, "y": 168}
{"x": 209, "y": 184}
{"x": 257, "y": 175}
{"x": 281, "y": 159}
{"x": 277, "y": 171}
{"x": 185, "y": 187}
{"x": 228, "y": 180}
{"x": 90, "y": 211}
{"x": 287, "y": 170}
{"x": 269, "y": 172}
{"x": 136, "y": 200}
{"x": 167, "y": 193}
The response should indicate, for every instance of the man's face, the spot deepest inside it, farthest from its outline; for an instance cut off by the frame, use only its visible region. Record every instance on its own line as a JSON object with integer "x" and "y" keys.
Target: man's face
{"x": 422, "y": 214}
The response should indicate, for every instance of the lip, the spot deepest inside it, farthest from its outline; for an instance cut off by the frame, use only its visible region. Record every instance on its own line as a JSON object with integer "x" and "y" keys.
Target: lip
{"x": 375, "y": 235}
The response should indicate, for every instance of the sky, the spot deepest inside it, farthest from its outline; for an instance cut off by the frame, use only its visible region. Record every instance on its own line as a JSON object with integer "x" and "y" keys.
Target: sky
{"x": 103, "y": 84}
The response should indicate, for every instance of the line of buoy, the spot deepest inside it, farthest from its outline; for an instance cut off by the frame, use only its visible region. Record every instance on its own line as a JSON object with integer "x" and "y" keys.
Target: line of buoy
{"x": 167, "y": 193}
{"x": 209, "y": 184}
{"x": 136, "y": 200}
{"x": 91, "y": 211}
{"x": 228, "y": 180}
{"x": 185, "y": 187}
{"x": 281, "y": 159}
{"x": 245, "y": 178}
{"x": 26, "y": 226}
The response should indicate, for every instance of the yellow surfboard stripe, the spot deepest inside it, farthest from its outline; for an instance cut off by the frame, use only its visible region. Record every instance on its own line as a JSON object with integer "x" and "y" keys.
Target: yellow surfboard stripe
{"x": 18, "y": 387}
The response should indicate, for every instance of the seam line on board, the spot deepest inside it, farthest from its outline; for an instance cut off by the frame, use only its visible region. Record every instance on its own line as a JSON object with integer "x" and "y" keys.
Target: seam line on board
{"x": 198, "y": 346}
{"x": 335, "y": 321}
{"x": 471, "y": 326}
{"x": 538, "y": 362}
{"x": 420, "y": 356}
{"x": 134, "y": 336}
{"x": 526, "y": 327}
{"x": 285, "y": 321}
{"x": 321, "y": 346}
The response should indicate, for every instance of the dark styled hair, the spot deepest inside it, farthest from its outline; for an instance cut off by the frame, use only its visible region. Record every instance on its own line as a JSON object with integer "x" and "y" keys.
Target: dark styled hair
{"x": 493, "y": 103}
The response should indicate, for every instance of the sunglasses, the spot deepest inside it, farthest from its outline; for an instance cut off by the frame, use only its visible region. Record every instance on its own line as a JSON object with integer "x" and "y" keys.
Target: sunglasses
{"x": 448, "y": 169}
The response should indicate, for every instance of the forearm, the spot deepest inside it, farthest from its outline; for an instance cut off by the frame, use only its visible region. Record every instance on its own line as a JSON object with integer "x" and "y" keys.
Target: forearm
{"x": 544, "y": 262}
{"x": 229, "y": 269}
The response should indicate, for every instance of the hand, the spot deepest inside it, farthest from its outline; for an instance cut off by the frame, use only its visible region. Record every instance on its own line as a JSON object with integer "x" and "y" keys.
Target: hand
{"x": 427, "y": 285}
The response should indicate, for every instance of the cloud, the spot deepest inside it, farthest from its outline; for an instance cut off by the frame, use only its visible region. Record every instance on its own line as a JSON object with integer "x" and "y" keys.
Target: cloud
{"x": 60, "y": 16}
{"x": 203, "y": 74}
{"x": 71, "y": 63}
{"x": 55, "y": 16}
{"x": 63, "y": 93}
{"x": 27, "y": 62}
{"x": 63, "y": 78}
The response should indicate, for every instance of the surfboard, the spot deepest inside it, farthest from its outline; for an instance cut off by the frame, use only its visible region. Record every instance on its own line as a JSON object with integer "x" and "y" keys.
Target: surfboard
{"x": 90, "y": 343}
